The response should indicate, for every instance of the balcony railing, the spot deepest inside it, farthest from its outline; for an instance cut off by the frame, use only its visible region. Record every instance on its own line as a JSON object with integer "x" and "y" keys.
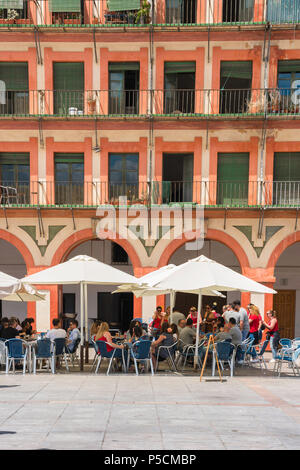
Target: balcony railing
{"x": 214, "y": 194}
{"x": 79, "y": 103}
{"x": 99, "y": 13}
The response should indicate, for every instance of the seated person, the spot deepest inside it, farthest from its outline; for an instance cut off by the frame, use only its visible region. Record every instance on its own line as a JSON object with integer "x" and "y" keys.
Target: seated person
{"x": 188, "y": 333}
{"x": 73, "y": 336}
{"x": 175, "y": 331}
{"x": 137, "y": 333}
{"x": 165, "y": 339}
{"x": 9, "y": 331}
{"x": 130, "y": 331}
{"x": 181, "y": 325}
{"x": 56, "y": 331}
{"x": 103, "y": 334}
{"x": 30, "y": 330}
{"x": 94, "y": 328}
{"x": 4, "y": 325}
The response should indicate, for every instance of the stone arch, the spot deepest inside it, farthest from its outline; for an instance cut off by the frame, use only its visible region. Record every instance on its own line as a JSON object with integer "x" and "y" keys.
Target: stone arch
{"x": 20, "y": 246}
{"x": 281, "y": 247}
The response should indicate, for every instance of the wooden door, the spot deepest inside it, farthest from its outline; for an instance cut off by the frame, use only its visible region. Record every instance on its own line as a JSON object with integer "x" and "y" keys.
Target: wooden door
{"x": 284, "y": 304}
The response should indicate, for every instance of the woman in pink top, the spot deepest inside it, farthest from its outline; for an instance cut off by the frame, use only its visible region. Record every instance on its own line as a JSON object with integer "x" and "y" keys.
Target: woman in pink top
{"x": 273, "y": 333}
{"x": 193, "y": 314}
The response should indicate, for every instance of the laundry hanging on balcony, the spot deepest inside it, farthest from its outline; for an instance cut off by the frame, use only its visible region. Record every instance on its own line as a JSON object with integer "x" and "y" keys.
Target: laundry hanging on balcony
{"x": 123, "y": 5}
{"x": 65, "y": 6}
{"x": 18, "y": 4}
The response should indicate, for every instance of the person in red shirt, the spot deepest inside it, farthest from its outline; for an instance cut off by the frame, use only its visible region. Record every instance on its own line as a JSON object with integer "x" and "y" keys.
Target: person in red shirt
{"x": 255, "y": 322}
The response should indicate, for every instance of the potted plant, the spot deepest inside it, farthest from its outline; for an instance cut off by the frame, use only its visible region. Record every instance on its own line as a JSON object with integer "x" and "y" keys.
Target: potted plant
{"x": 143, "y": 15}
{"x": 72, "y": 20}
{"x": 131, "y": 18}
{"x": 91, "y": 102}
{"x": 11, "y": 16}
{"x": 3, "y": 19}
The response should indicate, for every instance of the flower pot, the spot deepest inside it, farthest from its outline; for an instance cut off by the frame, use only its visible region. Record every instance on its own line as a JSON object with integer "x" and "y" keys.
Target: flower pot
{"x": 23, "y": 21}
{"x": 72, "y": 21}
{"x": 6, "y": 21}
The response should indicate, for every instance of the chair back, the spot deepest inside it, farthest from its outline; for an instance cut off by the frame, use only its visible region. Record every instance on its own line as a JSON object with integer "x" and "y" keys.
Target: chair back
{"x": 285, "y": 342}
{"x": 43, "y": 348}
{"x": 15, "y": 348}
{"x": 102, "y": 349}
{"x": 263, "y": 348}
{"x": 224, "y": 350}
{"x": 60, "y": 345}
{"x": 141, "y": 349}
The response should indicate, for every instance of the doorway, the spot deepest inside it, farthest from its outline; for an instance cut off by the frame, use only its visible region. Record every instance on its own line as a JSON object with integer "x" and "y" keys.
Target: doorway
{"x": 177, "y": 178}
{"x": 115, "y": 309}
{"x": 284, "y": 303}
{"x": 185, "y": 301}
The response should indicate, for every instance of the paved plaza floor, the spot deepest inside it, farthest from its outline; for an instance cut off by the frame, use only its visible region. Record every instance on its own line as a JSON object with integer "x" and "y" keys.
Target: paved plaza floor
{"x": 252, "y": 410}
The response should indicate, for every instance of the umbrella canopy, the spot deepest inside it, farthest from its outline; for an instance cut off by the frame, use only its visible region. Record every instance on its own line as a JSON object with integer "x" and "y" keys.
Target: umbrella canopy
{"x": 12, "y": 289}
{"x": 81, "y": 269}
{"x": 203, "y": 273}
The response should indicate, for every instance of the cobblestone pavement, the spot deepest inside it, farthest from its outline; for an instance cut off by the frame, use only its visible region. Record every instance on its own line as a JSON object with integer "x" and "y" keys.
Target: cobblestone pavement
{"x": 252, "y": 410}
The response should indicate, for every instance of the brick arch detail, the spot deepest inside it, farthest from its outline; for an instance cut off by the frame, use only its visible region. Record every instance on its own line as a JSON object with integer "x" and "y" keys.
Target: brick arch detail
{"x": 87, "y": 234}
{"x": 20, "y": 246}
{"x": 281, "y": 247}
{"x": 212, "y": 234}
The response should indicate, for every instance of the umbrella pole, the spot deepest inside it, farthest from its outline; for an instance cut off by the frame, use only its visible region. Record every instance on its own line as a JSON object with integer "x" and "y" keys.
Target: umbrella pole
{"x": 86, "y": 324}
{"x": 198, "y": 330}
{"x": 81, "y": 325}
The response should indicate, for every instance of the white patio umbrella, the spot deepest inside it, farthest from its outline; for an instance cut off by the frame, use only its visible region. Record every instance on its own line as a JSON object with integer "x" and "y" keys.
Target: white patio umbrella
{"x": 82, "y": 270}
{"x": 202, "y": 273}
{"x": 12, "y": 289}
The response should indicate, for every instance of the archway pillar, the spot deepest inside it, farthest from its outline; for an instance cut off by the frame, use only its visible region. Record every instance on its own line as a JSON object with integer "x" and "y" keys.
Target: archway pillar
{"x": 142, "y": 307}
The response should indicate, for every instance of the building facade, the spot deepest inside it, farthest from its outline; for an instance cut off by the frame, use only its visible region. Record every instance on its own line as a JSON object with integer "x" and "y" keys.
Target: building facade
{"x": 186, "y": 102}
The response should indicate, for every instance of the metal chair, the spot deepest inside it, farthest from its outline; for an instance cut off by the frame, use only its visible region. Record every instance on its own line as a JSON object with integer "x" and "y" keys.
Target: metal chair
{"x": 170, "y": 355}
{"x": 187, "y": 351}
{"x": 226, "y": 353}
{"x": 59, "y": 351}
{"x": 289, "y": 356}
{"x": 260, "y": 353}
{"x": 285, "y": 343}
{"x": 43, "y": 351}
{"x": 16, "y": 350}
{"x": 96, "y": 353}
{"x": 111, "y": 355}
{"x": 72, "y": 354}
{"x": 140, "y": 352}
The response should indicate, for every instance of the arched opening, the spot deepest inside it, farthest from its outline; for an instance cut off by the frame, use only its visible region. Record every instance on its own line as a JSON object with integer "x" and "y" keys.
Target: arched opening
{"x": 12, "y": 263}
{"x": 213, "y": 250}
{"x": 117, "y": 309}
{"x": 287, "y": 301}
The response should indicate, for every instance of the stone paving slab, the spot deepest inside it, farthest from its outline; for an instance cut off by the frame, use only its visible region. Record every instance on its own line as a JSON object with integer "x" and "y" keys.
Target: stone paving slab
{"x": 167, "y": 411}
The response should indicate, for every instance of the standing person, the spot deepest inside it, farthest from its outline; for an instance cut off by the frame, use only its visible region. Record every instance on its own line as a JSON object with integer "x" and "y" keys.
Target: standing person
{"x": 244, "y": 321}
{"x": 273, "y": 333}
{"x": 255, "y": 321}
{"x": 176, "y": 316}
{"x": 193, "y": 314}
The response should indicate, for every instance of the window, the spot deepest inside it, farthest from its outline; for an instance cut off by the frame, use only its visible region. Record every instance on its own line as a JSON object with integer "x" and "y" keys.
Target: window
{"x": 235, "y": 82}
{"x": 238, "y": 11}
{"x": 66, "y": 11}
{"x": 69, "y": 178}
{"x": 124, "y": 80}
{"x": 232, "y": 179}
{"x": 122, "y": 11}
{"x": 68, "y": 85}
{"x": 14, "y": 88}
{"x": 20, "y": 7}
{"x": 179, "y": 87}
{"x": 118, "y": 254}
{"x": 181, "y": 11}
{"x": 289, "y": 84}
{"x": 177, "y": 178}
{"x": 286, "y": 178}
{"x": 15, "y": 174}
{"x": 123, "y": 176}
{"x": 287, "y": 11}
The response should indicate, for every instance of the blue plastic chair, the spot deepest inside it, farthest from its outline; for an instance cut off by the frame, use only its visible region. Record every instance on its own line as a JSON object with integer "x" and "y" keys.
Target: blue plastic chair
{"x": 288, "y": 356}
{"x": 285, "y": 343}
{"x": 260, "y": 354}
{"x": 72, "y": 353}
{"x": 111, "y": 355}
{"x": 225, "y": 352}
{"x": 43, "y": 351}
{"x": 59, "y": 351}
{"x": 141, "y": 352}
{"x": 16, "y": 350}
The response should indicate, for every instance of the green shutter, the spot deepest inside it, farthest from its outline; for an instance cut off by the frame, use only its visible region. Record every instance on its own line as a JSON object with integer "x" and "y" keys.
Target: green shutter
{"x": 14, "y": 75}
{"x": 288, "y": 66}
{"x": 65, "y": 6}
{"x": 68, "y": 76}
{"x": 19, "y": 4}
{"x": 287, "y": 166}
{"x": 232, "y": 179}
{"x": 123, "y": 5}
{"x": 69, "y": 158}
{"x": 236, "y": 69}
{"x": 177, "y": 67}
{"x": 11, "y": 158}
{"x": 123, "y": 66}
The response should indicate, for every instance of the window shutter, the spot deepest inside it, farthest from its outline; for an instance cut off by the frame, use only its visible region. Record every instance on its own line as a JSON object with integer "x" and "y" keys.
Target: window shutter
{"x": 236, "y": 69}
{"x": 288, "y": 66}
{"x": 69, "y": 158}
{"x": 11, "y": 158}
{"x": 123, "y": 66}
{"x": 65, "y": 6}
{"x": 177, "y": 67}
{"x": 14, "y": 75}
{"x": 68, "y": 76}
{"x": 18, "y": 4}
{"x": 123, "y": 5}
{"x": 233, "y": 167}
{"x": 286, "y": 166}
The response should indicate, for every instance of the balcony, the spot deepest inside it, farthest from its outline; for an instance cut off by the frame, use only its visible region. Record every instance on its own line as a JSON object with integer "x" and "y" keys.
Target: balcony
{"x": 163, "y": 103}
{"x": 211, "y": 194}
{"x": 133, "y": 13}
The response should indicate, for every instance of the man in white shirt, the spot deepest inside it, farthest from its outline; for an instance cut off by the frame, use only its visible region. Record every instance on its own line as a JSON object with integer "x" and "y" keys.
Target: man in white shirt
{"x": 57, "y": 331}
